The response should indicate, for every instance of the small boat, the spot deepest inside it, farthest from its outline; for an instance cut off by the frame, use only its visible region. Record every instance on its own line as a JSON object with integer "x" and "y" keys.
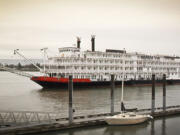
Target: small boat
{"x": 127, "y": 119}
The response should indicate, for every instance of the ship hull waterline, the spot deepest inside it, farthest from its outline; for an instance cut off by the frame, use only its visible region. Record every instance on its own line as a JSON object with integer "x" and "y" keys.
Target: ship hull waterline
{"x": 49, "y": 82}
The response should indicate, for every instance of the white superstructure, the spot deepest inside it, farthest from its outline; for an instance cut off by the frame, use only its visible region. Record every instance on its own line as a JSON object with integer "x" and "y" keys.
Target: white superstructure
{"x": 98, "y": 66}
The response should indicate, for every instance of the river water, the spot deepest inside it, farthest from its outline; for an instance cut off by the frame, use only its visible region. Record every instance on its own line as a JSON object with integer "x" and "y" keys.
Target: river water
{"x": 19, "y": 93}
{"x": 163, "y": 126}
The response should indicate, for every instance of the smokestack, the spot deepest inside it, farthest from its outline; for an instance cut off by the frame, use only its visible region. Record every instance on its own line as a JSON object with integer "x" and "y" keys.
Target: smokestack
{"x": 78, "y": 42}
{"x": 93, "y": 42}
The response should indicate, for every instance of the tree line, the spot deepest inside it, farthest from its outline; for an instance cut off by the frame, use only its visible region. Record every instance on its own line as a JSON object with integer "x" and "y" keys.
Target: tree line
{"x": 19, "y": 66}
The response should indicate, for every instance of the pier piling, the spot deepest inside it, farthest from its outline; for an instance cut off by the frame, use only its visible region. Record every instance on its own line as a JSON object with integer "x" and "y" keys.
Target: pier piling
{"x": 153, "y": 94}
{"x": 112, "y": 94}
{"x": 70, "y": 88}
{"x": 164, "y": 92}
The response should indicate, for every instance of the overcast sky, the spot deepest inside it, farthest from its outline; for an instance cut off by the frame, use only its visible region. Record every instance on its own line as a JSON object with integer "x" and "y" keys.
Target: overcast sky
{"x": 149, "y": 26}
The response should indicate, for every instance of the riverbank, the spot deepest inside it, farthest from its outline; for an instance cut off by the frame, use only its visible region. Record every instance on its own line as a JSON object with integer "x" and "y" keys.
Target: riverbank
{"x": 25, "y": 69}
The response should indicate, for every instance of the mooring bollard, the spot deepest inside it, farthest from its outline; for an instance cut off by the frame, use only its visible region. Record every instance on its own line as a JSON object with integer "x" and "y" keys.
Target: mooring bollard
{"x": 112, "y": 94}
{"x": 70, "y": 88}
{"x": 153, "y": 94}
{"x": 164, "y": 92}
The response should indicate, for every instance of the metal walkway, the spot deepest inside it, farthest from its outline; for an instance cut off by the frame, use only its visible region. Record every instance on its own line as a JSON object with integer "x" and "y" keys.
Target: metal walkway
{"x": 15, "y": 118}
{"x": 15, "y": 71}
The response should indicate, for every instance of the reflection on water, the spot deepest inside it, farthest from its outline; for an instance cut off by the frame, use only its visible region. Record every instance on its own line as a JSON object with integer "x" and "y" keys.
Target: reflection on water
{"x": 163, "y": 126}
{"x": 84, "y": 101}
{"x": 132, "y": 129}
{"x": 152, "y": 128}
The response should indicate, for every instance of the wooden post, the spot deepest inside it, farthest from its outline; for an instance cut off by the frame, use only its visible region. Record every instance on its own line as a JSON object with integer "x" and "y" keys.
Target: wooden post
{"x": 70, "y": 88}
{"x": 164, "y": 92}
{"x": 112, "y": 94}
{"x": 153, "y": 94}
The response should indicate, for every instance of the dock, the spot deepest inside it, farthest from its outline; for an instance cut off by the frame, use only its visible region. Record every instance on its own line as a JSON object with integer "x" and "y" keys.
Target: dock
{"x": 78, "y": 122}
{"x": 26, "y": 122}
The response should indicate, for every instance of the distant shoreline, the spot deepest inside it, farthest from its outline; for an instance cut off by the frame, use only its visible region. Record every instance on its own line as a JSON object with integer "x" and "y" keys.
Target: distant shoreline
{"x": 27, "y": 70}
{"x": 20, "y": 67}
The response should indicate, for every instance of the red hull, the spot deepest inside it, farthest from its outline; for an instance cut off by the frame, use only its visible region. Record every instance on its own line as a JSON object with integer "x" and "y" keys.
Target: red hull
{"x": 58, "y": 80}
{"x": 53, "y": 82}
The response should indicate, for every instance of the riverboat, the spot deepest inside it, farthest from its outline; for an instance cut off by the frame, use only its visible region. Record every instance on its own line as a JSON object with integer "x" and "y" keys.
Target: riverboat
{"x": 94, "y": 68}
